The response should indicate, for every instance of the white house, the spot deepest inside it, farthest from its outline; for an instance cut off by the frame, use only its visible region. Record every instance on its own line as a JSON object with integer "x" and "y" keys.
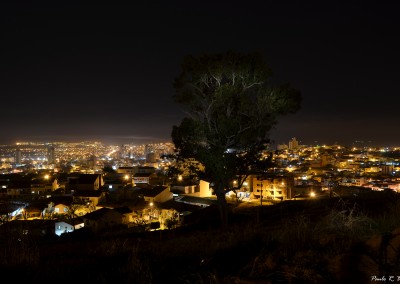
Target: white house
{"x": 68, "y": 226}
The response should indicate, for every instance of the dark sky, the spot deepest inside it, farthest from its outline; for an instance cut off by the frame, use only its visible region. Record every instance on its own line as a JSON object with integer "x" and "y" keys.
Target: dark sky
{"x": 73, "y": 70}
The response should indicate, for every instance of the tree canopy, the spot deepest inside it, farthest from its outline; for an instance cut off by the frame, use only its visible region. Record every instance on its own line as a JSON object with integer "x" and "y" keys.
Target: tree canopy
{"x": 231, "y": 106}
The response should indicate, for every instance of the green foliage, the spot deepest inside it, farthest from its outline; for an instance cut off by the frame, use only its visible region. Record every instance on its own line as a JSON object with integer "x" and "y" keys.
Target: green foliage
{"x": 73, "y": 208}
{"x": 231, "y": 108}
{"x": 229, "y": 99}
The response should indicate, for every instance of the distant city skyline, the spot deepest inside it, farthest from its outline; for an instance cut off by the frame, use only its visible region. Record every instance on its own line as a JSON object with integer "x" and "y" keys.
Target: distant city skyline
{"x": 109, "y": 140}
{"x": 141, "y": 142}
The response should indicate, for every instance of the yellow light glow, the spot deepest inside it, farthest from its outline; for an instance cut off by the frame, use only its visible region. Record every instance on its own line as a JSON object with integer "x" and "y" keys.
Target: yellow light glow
{"x": 312, "y": 194}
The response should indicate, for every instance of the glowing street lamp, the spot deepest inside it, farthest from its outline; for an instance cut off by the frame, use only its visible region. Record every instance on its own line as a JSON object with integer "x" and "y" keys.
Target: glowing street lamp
{"x": 151, "y": 213}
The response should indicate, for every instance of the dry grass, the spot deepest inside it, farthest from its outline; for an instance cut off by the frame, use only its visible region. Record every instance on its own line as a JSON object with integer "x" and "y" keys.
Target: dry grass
{"x": 327, "y": 242}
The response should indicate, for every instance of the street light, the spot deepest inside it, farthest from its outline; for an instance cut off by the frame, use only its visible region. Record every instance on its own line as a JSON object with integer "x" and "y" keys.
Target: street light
{"x": 151, "y": 215}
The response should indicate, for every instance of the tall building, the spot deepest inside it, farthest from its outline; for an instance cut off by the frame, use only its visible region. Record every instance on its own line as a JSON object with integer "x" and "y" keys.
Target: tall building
{"x": 18, "y": 156}
{"x": 147, "y": 149}
{"x": 293, "y": 144}
{"x": 151, "y": 157}
{"x": 51, "y": 158}
{"x": 123, "y": 151}
{"x": 92, "y": 162}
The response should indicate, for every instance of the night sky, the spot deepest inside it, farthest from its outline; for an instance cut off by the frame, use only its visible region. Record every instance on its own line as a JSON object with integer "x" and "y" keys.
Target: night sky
{"x": 72, "y": 71}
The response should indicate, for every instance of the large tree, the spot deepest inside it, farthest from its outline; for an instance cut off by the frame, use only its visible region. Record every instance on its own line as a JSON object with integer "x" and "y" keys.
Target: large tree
{"x": 231, "y": 106}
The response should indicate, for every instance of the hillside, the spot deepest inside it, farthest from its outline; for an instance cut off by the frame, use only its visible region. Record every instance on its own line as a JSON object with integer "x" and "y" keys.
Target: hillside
{"x": 338, "y": 240}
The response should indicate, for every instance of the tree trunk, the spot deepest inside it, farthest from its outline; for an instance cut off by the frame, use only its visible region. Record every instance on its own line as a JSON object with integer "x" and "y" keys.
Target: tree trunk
{"x": 223, "y": 207}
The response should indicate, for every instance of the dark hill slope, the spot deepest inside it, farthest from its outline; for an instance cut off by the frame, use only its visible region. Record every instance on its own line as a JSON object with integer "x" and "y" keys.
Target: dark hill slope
{"x": 301, "y": 241}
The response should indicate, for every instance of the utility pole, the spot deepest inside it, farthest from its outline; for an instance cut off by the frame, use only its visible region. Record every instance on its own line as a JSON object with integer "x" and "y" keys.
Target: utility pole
{"x": 261, "y": 198}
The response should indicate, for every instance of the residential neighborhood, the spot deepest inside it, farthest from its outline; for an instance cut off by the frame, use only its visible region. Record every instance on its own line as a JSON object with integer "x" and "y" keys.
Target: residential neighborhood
{"x": 126, "y": 191}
